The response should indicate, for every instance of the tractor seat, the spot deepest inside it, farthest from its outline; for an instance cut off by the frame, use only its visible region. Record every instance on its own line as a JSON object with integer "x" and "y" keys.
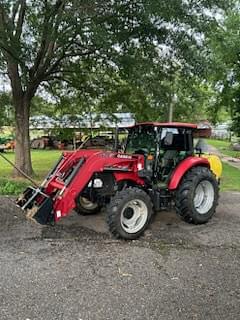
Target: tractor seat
{"x": 168, "y": 156}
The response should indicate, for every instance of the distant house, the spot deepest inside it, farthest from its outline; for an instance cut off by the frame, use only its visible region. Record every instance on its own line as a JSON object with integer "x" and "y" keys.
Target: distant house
{"x": 222, "y": 130}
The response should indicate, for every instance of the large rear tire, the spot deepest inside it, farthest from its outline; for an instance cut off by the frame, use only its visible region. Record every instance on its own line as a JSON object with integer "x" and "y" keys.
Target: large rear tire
{"x": 197, "y": 196}
{"x": 129, "y": 213}
{"x": 85, "y": 207}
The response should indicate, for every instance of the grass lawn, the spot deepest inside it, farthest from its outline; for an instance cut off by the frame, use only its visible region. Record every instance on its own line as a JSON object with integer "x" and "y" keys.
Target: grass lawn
{"x": 224, "y": 147}
{"x": 230, "y": 180}
{"x": 44, "y": 160}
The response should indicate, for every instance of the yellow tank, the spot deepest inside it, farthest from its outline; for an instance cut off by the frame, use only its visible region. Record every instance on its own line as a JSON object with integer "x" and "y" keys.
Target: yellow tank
{"x": 215, "y": 164}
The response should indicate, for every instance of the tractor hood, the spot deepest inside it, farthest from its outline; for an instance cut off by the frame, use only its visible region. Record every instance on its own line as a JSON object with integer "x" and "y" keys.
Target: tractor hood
{"x": 104, "y": 160}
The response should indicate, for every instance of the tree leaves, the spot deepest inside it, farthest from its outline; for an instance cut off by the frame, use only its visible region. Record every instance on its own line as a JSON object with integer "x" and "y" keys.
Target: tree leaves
{"x": 101, "y": 50}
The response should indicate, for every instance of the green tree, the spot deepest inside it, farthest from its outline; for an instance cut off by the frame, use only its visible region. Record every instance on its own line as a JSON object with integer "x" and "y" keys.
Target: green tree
{"x": 225, "y": 68}
{"x": 45, "y": 41}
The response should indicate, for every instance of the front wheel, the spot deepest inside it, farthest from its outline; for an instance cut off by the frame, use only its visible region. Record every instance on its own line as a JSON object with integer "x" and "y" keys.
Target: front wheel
{"x": 197, "y": 196}
{"x": 129, "y": 213}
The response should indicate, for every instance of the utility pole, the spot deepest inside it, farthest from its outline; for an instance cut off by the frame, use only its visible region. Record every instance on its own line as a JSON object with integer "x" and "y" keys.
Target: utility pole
{"x": 170, "y": 112}
{"x": 171, "y": 107}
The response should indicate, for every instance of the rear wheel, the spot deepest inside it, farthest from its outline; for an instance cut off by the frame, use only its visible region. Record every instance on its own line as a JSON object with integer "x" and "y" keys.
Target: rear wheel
{"x": 197, "y": 196}
{"x": 86, "y": 207}
{"x": 129, "y": 213}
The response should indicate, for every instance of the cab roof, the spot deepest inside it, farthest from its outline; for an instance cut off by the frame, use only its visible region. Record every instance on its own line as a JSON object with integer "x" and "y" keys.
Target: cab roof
{"x": 167, "y": 124}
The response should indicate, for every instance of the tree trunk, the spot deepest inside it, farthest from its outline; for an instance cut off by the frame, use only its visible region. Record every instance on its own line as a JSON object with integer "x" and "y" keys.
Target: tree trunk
{"x": 22, "y": 150}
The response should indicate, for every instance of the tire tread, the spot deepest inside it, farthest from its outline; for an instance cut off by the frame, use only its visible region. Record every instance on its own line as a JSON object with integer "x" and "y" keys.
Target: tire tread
{"x": 113, "y": 215}
{"x": 182, "y": 204}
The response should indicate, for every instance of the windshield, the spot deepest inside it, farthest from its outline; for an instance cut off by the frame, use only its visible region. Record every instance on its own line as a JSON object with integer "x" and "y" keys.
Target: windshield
{"x": 141, "y": 140}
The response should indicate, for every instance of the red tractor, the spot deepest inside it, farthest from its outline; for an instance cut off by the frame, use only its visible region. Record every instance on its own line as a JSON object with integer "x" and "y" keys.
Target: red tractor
{"x": 160, "y": 168}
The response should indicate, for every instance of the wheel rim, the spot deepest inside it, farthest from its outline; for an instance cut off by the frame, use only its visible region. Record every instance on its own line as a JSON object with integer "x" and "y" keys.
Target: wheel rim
{"x": 204, "y": 197}
{"x": 87, "y": 204}
{"x": 134, "y": 216}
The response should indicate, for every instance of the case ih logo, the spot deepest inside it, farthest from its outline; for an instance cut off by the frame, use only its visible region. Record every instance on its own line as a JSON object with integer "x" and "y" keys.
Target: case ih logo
{"x": 124, "y": 156}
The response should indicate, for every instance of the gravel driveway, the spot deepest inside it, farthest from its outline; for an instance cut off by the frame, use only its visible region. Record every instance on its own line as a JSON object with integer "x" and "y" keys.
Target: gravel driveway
{"x": 75, "y": 270}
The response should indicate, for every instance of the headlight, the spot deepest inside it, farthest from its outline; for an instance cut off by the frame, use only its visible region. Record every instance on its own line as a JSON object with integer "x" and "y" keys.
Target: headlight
{"x": 96, "y": 183}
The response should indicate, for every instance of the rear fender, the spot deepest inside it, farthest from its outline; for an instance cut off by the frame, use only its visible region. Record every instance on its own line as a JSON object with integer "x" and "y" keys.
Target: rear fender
{"x": 183, "y": 167}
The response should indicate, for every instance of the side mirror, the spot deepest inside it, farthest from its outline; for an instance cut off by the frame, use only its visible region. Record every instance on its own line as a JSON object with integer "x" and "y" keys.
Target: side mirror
{"x": 168, "y": 140}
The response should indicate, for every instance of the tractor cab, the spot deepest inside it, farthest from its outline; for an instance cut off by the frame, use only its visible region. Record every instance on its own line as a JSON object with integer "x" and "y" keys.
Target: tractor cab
{"x": 164, "y": 146}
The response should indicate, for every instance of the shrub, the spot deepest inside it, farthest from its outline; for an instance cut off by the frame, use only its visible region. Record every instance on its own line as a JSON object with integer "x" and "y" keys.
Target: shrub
{"x": 12, "y": 187}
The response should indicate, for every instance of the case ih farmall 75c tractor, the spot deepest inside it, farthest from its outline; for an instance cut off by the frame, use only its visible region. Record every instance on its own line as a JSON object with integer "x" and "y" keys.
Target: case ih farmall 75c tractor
{"x": 158, "y": 169}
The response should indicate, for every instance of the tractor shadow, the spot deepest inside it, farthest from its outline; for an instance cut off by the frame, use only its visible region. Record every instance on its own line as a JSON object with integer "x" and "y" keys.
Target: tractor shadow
{"x": 76, "y": 227}
{"x": 166, "y": 228}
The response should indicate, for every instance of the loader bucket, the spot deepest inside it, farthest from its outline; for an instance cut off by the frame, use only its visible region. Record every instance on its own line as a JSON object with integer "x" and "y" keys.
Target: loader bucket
{"x": 37, "y": 205}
